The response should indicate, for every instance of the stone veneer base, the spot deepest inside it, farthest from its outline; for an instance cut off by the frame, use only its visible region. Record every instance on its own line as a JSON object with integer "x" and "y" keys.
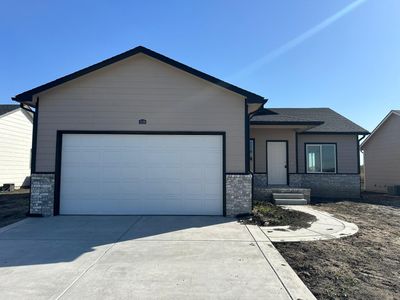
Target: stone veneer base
{"x": 238, "y": 194}
{"x": 42, "y": 194}
{"x": 328, "y": 185}
{"x": 321, "y": 185}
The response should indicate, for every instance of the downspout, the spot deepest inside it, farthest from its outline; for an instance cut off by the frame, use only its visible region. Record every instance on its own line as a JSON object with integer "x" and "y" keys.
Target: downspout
{"x": 33, "y": 152}
{"x": 28, "y": 109}
{"x": 256, "y": 111}
{"x": 359, "y": 160}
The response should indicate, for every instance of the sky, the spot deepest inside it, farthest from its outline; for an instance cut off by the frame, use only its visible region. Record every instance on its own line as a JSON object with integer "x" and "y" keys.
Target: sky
{"x": 340, "y": 54}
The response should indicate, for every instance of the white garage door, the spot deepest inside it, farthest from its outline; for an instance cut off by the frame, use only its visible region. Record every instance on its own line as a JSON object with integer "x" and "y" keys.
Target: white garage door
{"x": 141, "y": 174}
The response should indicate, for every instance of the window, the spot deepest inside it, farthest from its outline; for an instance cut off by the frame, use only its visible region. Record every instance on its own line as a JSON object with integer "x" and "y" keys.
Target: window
{"x": 252, "y": 157}
{"x": 321, "y": 158}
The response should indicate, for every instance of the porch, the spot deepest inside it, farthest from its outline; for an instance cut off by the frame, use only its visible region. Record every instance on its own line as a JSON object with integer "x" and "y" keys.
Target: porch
{"x": 296, "y": 158}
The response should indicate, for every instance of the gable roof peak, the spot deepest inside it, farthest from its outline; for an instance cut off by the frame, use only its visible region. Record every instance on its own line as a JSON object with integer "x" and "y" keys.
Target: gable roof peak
{"x": 251, "y": 97}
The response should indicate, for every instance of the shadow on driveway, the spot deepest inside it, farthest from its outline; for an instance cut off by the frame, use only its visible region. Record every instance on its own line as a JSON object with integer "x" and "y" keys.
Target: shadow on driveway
{"x": 65, "y": 238}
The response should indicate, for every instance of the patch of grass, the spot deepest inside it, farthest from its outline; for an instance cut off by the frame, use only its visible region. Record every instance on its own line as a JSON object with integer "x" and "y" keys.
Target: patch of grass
{"x": 267, "y": 214}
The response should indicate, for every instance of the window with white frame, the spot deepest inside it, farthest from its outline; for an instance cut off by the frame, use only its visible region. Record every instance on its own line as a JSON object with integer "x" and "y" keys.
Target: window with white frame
{"x": 321, "y": 158}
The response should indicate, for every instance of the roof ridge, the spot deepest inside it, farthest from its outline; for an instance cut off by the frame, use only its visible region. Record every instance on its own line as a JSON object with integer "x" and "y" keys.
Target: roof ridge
{"x": 298, "y": 108}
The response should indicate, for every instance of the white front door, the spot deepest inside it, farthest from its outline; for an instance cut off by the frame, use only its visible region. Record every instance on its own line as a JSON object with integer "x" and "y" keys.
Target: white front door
{"x": 277, "y": 162}
{"x": 152, "y": 174}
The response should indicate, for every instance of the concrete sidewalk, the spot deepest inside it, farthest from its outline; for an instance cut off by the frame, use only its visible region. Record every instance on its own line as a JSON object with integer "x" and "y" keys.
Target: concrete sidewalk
{"x": 326, "y": 227}
{"x": 125, "y": 257}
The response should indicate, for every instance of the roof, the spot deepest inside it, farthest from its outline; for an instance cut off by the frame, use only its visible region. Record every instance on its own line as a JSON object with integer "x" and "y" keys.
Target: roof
{"x": 251, "y": 97}
{"x": 325, "y": 120}
{"x": 395, "y": 112}
{"x": 6, "y": 108}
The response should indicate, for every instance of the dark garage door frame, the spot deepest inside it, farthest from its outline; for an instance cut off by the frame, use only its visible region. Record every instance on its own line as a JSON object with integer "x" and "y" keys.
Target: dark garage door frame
{"x": 60, "y": 134}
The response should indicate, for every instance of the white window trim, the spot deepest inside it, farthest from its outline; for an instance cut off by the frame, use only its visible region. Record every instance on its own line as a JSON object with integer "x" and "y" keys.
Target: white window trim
{"x": 320, "y": 151}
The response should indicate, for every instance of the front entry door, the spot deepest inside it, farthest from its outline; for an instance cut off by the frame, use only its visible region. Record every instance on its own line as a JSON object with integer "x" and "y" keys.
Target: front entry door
{"x": 277, "y": 162}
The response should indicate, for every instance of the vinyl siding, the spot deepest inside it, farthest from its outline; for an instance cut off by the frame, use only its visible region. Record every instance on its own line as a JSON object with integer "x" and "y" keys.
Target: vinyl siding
{"x": 261, "y": 135}
{"x": 382, "y": 156}
{"x": 15, "y": 148}
{"x": 140, "y": 87}
{"x": 347, "y": 159}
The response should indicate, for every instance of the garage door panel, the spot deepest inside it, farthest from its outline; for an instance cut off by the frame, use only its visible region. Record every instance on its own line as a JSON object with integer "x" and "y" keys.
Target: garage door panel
{"x": 141, "y": 174}
{"x": 76, "y": 156}
{"x": 162, "y": 173}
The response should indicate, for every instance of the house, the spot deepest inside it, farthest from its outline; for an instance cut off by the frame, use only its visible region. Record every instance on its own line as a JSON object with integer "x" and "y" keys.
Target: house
{"x": 140, "y": 133}
{"x": 382, "y": 154}
{"x": 15, "y": 145}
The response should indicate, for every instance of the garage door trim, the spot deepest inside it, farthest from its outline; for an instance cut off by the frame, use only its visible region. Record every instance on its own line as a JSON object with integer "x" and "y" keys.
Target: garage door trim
{"x": 60, "y": 133}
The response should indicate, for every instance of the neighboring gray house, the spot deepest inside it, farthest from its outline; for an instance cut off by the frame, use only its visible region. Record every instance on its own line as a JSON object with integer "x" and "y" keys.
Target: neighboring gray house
{"x": 140, "y": 133}
{"x": 15, "y": 145}
{"x": 382, "y": 154}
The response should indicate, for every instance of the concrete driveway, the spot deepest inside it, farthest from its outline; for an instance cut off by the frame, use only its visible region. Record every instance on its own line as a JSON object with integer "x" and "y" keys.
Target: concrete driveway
{"x": 129, "y": 257}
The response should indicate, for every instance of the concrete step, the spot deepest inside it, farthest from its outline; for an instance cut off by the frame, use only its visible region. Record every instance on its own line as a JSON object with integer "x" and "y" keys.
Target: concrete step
{"x": 287, "y": 196}
{"x": 290, "y": 201}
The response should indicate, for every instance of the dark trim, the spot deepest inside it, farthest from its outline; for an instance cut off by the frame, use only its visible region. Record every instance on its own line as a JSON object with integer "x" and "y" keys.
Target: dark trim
{"x": 33, "y": 148}
{"x": 321, "y": 143}
{"x": 131, "y": 132}
{"x": 257, "y": 111}
{"x": 27, "y": 112}
{"x": 223, "y": 173}
{"x": 57, "y": 173}
{"x": 27, "y": 96}
{"x": 44, "y": 173}
{"x": 297, "y": 151}
{"x": 58, "y": 158}
{"x": 362, "y": 137}
{"x": 286, "y": 122}
{"x": 22, "y": 106}
{"x": 324, "y": 174}
{"x": 334, "y": 132}
{"x": 358, "y": 155}
{"x": 238, "y": 173}
{"x": 287, "y": 157}
{"x": 254, "y": 155}
{"x": 246, "y": 137}
{"x": 34, "y": 136}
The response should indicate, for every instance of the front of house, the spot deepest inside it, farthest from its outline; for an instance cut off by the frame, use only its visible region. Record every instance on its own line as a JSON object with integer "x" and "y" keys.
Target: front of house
{"x": 313, "y": 148}
{"x": 140, "y": 133}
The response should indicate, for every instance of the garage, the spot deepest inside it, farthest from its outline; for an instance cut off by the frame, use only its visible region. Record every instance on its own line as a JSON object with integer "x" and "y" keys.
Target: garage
{"x": 147, "y": 174}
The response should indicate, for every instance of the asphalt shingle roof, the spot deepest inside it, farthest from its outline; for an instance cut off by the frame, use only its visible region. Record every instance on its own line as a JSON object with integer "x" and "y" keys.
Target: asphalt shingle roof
{"x": 5, "y": 108}
{"x": 324, "y": 119}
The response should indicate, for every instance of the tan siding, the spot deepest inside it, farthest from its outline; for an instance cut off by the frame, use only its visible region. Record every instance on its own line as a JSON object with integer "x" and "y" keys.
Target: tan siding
{"x": 15, "y": 148}
{"x": 261, "y": 135}
{"x": 140, "y": 87}
{"x": 382, "y": 156}
{"x": 347, "y": 159}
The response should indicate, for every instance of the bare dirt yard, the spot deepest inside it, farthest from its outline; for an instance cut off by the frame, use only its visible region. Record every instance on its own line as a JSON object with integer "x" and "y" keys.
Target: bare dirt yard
{"x": 267, "y": 214}
{"x": 13, "y": 206}
{"x": 363, "y": 266}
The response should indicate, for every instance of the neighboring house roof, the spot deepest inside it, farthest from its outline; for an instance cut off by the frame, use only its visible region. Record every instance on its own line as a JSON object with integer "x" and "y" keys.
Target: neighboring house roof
{"x": 394, "y": 112}
{"x": 251, "y": 97}
{"x": 325, "y": 119}
{"x": 6, "y": 109}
